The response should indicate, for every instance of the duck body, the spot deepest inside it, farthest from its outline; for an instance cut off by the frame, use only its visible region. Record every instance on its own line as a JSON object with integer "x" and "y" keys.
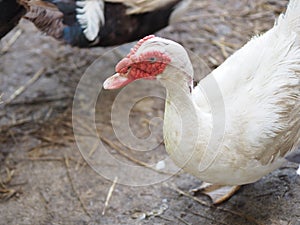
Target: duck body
{"x": 239, "y": 122}
{"x": 260, "y": 89}
{"x": 86, "y": 23}
{"x": 258, "y": 113}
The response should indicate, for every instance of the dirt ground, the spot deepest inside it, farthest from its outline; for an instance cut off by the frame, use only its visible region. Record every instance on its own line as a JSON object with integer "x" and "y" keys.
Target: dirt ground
{"x": 43, "y": 176}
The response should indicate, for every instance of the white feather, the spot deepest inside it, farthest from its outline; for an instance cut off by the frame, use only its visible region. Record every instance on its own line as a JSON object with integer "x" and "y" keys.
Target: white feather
{"x": 259, "y": 99}
{"x": 241, "y": 120}
{"x": 90, "y": 15}
{"x": 179, "y": 10}
{"x": 290, "y": 20}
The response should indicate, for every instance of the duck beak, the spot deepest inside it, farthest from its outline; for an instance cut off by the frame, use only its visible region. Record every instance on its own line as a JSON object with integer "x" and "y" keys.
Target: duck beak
{"x": 116, "y": 81}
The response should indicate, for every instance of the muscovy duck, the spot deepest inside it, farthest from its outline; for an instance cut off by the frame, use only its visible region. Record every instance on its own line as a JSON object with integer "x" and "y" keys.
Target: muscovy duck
{"x": 239, "y": 122}
{"x": 87, "y": 23}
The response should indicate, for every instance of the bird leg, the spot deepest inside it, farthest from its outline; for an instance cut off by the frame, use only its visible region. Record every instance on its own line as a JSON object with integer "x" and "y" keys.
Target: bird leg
{"x": 217, "y": 193}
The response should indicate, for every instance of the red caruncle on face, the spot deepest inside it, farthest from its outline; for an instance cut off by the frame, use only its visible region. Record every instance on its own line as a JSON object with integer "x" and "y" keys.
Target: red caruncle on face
{"x": 147, "y": 65}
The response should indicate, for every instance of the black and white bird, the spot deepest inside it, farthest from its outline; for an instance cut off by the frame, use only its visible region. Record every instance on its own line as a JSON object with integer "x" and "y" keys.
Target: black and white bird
{"x": 87, "y": 23}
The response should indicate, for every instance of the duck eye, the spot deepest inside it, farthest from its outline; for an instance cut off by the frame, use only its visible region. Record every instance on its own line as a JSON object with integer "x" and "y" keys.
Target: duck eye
{"x": 152, "y": 59}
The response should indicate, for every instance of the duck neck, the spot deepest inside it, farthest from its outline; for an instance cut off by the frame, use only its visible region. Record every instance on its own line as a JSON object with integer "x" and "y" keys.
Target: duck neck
{"x": 180, "y": 120}
{"x": 177, "y": 83}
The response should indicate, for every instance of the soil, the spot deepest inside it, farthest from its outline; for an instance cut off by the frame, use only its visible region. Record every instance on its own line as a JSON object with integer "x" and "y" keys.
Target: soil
{"x": 44, "y": 178}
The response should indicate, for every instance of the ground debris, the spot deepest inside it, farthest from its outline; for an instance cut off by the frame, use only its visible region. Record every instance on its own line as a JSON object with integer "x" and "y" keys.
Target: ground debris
{"x": 6, "y": 192}
{"x": 139, "y": 215}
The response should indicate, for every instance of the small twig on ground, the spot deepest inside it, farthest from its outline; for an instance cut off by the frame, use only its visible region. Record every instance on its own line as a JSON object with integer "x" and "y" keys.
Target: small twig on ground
{"x": 73, "y": 187}
{"x": 190, "y": 196}
{"x": 9, "y": 176}
{"x": 109, "y": 195}
{"x": 183, "y": 221}
{"x": 213, "y": 61}
{"x": 167, "y": 219}
{"x": 222, "y": 48}
{"x": 7, "y": 193}
{"x": 41, "y": 100}
{"x": 15, "y": 124}
{"x": 84, "y": 125}
{"x": 11, "y": 41}
{"x": 40, "y": 147}
{"x": 94, "y": 148}
{"x": 45, "y": 200}
{"x": 53, "y": 159}
{"x": 53, "y": 140}
{"x": 21, "y": 89}
{"x": 50, "y": 159}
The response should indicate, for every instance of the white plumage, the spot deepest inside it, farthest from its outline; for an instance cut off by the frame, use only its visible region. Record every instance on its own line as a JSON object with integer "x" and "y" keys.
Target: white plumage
{"x": 238, "y": 123}
{"x": 90, "y": 15}
{"x": 260, "y": 86}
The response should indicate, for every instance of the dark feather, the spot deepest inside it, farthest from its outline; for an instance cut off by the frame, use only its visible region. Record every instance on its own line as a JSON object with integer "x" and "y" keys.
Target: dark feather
{"x": 57, "y": 18}
{"x": 46, "y": 17}
{"x": 10, "y": 14}
{"x": 68, "y": 8}
{"x": 120, "y": 28}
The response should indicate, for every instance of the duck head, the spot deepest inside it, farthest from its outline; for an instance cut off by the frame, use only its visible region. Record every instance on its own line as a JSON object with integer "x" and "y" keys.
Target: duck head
{"x": 152, "y": 58}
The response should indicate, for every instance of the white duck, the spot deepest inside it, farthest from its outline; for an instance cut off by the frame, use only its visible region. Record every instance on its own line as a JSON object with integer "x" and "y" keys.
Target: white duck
{"x": 238, "y": 123}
